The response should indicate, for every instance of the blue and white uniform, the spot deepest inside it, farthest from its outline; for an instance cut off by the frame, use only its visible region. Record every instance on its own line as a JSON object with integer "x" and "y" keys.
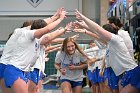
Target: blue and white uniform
{"x": 122, "y": 62}
{"x": 100, "y": 54}
{"x": 8, "y": 50}
{"x": 24, "y": 56}
{"x": 39, "y": 67}
{"x": 91, "y": 53}
{"x": 127, "y": 40}
{"x": 75, "y": 77}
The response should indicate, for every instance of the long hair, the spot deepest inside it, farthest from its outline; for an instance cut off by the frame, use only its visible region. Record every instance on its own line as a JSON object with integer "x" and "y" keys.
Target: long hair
{"x": 64, "y": 46}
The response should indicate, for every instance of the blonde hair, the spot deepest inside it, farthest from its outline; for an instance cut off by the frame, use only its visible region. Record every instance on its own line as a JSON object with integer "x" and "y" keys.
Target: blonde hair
{"x": 64, "y": 46}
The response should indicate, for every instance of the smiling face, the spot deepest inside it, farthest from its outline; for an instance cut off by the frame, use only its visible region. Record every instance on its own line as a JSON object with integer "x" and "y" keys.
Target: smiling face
{"x": 70, "y": 48}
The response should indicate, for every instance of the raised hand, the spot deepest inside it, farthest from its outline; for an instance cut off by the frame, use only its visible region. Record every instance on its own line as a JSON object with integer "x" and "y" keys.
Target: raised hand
{"x": 74, "y": 37}
{"x": 68, "y": 27}
{"x": 80, "y": 30}
{"x": 62, "y": 13}
{"x": 57, "y": 14}
{"x": 80, "y": 24}
{"x": 78, "y": 15}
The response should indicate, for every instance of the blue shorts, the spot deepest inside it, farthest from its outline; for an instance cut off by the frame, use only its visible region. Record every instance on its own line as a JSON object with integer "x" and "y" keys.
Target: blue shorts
{"x": 94, "y": 76}
{"x": 113, "y": 80}
{"x": 2, "y": 67}
{"x": 73, "y": 83}
{"x": 90, "y": 75}
{"x": 99, "y": 78}
{"x": 11, "y": 74}
{"x": 131, "y": 77}
{"x": 35, "y": 76}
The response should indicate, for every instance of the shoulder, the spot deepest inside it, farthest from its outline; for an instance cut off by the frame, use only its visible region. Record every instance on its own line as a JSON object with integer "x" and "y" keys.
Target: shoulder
{"x": 115, "y": 39}
{"x": 60, "y": 53}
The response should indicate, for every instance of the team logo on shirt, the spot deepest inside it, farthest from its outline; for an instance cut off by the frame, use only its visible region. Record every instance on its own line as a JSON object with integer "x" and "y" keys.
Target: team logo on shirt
{"x": 34, "y": 3}
{"x": 107, "y": 53}
{"x": 36, "y": 46}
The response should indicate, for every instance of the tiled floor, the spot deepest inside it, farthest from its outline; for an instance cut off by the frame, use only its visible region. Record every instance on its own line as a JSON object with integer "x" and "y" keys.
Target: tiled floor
{"x": 85, "y": 90}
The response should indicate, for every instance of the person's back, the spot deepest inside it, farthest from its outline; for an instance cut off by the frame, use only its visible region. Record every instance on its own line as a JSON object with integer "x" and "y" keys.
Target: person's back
{"x": 10, "y": 44}
{"x": 118, "y": 52}
{"x": 127, "y": 40}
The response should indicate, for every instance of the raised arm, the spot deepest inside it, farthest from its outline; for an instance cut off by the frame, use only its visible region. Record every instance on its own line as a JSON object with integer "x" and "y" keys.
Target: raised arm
{"x": 58, "y": 40}
{"x": 50, "y": 36}
{"x": 92, "y": 34}
{"x": 55, "y": 49}
{"x": 94, "y": 27}
{"x": 54, "y": 17}
{"x": 50, "y": 48}
{"x": 80, "y": 24}
{"x": 93, "y": 60}
{"x": 40, "y": 32}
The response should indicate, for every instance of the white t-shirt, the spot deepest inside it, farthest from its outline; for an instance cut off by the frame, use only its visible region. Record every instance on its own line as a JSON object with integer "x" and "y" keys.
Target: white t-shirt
{"x": 26, "y": 51}
{"x": 101, "y": 53}
{"x": 65, "y": 61}
{"x": 127, "y": 40}
{"x": 91, "y": 53}
{"x": 100, "y": 45}
{"x": 40, "y": 63}
{"x": 10, "y": 45}
{"x": 118, "y": 56}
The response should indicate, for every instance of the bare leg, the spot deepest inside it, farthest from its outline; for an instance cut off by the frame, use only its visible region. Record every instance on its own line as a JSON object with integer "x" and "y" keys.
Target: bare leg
{"x": 3, "y": 87}
{"x": 97, "y": 88}
{"x": 66, "y": 87}
{"x": 93, "y": 88}
{"x": 33, "y": 88}
{"x": 101, "y": 87}
{"x": 19, "y": 86}
{"x": 77, "y": 89}
{"x": 129, "y": 89}
{"x": 107, "y": 89}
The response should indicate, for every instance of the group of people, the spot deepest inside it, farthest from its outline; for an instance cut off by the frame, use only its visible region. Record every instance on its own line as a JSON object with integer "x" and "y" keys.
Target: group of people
{"x": 110, "y": 62}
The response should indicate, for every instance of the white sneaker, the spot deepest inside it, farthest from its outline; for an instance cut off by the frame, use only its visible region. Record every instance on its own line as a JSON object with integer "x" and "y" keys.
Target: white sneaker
{"x": 87, "y": 86}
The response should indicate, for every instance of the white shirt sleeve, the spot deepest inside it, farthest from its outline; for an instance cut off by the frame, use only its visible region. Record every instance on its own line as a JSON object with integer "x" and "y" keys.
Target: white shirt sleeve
{"x": 58, "y": 57}
{"x": 91, "y": 49}
{"x": 30, "y": 34}
{"x": 100, "y": 45}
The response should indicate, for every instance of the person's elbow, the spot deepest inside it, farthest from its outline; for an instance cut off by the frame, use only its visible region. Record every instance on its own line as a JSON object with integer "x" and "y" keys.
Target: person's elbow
{"x": 40, "y": 32}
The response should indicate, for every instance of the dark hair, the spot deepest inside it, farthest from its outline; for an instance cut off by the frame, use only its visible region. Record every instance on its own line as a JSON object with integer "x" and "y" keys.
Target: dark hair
{"x": 37, "y": 24}
{"x": 27, "y": 23}
{"x": 110, "y": 28}
{"x": 116, "y": 21}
